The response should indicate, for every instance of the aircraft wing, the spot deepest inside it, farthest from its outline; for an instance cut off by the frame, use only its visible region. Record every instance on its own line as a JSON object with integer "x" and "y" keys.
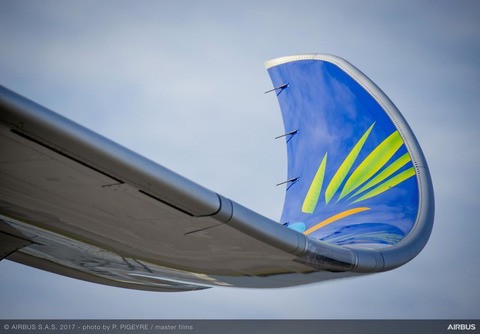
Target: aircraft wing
{"x": 359, "y": 196}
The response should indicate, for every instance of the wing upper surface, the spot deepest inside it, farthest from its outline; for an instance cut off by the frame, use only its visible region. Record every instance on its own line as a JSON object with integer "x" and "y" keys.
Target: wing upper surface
{"x": 97, "y": 211}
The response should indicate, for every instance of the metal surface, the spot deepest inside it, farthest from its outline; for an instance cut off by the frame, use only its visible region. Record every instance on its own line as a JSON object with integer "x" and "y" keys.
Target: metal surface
{"x": 88, "y": 201}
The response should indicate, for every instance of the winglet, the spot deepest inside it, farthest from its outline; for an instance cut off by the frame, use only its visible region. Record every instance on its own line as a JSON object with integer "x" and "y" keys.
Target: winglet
{"x": 363, "y": 182}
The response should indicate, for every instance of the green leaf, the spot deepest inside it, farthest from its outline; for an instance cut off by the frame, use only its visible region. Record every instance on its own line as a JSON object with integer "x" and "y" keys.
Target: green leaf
{"x": 392, "y": 168}
{"x": 311, "y": 199}
{"x": 373, "y": 163}
{"x": 388, "y": 184}
{"x": 345, "y": 167}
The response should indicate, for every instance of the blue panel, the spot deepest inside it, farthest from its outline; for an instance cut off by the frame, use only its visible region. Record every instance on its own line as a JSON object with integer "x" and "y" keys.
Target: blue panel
{"x": 353, "y": 178}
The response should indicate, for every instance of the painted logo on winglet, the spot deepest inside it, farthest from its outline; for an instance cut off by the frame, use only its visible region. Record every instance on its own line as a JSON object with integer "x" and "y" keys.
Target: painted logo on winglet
{"x": 375, "y": 175}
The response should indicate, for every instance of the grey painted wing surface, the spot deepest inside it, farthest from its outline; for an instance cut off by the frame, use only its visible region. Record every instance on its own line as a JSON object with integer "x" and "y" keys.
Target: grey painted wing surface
{"x": 74, "y": 203}
{"x": 94, "y": 210}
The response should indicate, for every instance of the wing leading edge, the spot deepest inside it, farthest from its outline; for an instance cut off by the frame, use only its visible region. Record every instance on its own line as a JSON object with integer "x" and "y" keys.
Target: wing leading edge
{"x": 75, "y": 203}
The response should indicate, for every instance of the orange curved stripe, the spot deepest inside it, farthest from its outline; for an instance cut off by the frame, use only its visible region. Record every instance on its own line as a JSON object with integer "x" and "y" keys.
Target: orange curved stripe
{"x": 335, "y": 218}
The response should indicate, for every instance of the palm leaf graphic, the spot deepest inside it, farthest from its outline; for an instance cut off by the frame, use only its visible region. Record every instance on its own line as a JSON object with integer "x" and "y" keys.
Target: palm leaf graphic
{"x": 372, "y": 163}
{"x": 372, "y": 177}
{"x": 311, "y": 199}
{"x": 392, "y": 168}
{"x": 334, "y": 218}
{"x": 345, "y": 167}
{"x": 388, "y": 184}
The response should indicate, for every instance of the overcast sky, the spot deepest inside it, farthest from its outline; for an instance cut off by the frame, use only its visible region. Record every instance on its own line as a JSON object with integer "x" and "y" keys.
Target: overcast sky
{"x": 182, "y": 82}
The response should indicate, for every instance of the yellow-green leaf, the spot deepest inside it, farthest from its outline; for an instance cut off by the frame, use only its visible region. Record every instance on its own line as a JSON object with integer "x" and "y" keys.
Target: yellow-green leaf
{"x": 388, "y": 184}
{"x": 373, "y": 163}
{"x": 392, "y": 168}
{"x": 345, "y": 167}
{"x": 311, "y": 199}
